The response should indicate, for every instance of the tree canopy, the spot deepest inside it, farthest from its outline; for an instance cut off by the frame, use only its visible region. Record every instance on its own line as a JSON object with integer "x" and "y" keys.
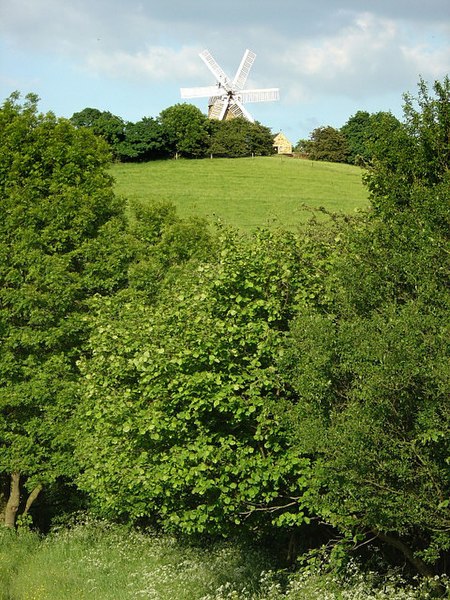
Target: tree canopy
{"x": 370, "y": 368}
{"x": 326, "y": 143}
{"x": 191, "y": 378}
{"x": 181, "y": 130}
{"x": 238, "y": 137}
{"x": 104, "y": 124}
{"x": 186, "y": 128}
{"x": 59, "y": 245}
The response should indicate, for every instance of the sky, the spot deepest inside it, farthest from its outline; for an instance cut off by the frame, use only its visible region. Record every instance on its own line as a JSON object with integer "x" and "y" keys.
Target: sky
{"x": 328, "y": 58}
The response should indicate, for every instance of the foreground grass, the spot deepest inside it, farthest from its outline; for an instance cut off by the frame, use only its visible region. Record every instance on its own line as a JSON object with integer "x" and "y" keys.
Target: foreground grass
{"x": 104, "y": 562}
{"x": 245, "y": 192}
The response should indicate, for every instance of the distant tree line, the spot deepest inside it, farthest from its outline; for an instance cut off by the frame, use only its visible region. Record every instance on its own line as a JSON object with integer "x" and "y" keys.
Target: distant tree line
{"x": 184, "y": 131}
{"x": 353, "y": 143}
{"x": 181, "y": 130}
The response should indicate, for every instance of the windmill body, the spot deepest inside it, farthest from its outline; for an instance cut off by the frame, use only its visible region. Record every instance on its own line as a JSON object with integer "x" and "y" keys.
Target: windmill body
{"x": 227, "y": 97}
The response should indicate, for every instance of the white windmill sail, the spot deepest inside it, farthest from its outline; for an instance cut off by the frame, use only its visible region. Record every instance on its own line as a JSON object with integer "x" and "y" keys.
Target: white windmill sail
{"x": 244, "y": 69}
{"x": 266, "y": 95}
{"x": 198, "y": 92}
{"x": 215, "y": 69}
{"x": 227, "y": 97}
{"x": 237, "y": 109}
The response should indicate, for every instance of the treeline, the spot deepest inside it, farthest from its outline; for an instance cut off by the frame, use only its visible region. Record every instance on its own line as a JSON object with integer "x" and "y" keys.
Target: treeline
{"x": 183, "y": 130}
{"x": 180, "y": 130}
{"x": 279, "y": 385}
{"x": 354, "y": 143}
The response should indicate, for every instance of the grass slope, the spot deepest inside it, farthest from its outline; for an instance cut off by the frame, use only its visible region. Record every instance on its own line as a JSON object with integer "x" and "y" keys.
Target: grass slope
{"x": 245, "y": 192}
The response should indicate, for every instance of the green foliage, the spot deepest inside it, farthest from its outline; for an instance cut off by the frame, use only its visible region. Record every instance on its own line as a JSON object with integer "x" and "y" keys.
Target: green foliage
{"x": 181, "y": 392}
{"x": 415, "y": 154}
{"x": 327, "y": 143}
{"x": 302, "y": 146}
{"x": 356, "y": 131}
{"x": 186, "y": 130}
{"x": 104, "y": 124}
{"x": 143, "y": 141}
{"x": 364, "y": 132}
{"x": 180, "y": 130}
{"x": 86, "y": 117}
{"x": 372, "y": 407}
{"x": 60, "y": 243}
{"x": 371, "y": 367}
{"x": 238, "y": 137}
{"x": 428, "y": 124}
{"x": 162, "y": 243}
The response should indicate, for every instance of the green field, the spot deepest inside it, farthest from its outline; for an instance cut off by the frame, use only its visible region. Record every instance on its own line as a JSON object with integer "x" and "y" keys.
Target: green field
{"x": 245, "y": 192}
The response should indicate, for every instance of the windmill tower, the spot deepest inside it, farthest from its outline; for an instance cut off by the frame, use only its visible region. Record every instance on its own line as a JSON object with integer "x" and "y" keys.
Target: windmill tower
{"x": 227, "y": 97}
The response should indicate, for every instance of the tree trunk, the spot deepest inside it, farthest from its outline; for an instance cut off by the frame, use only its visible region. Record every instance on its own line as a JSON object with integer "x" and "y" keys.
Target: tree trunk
{"x": 31, "y": 498}
{"x": 12, "y": 506}
{"x": 292, "y": 548}
{"x": 420, "y": 566}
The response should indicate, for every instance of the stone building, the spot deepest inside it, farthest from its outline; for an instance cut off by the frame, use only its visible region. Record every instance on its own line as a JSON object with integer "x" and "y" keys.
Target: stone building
{"x": 281, "y": 144}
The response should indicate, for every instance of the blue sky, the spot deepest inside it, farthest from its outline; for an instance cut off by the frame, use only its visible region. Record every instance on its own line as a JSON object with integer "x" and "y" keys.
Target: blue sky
{"x": 329, "y": 59}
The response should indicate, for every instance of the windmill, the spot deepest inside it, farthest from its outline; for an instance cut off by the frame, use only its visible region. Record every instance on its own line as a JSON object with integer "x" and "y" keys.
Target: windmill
{"x": 227, "y": 97}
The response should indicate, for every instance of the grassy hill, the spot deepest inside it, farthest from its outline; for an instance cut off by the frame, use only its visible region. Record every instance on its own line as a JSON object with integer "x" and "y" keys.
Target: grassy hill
{"x": 245, "y": 192}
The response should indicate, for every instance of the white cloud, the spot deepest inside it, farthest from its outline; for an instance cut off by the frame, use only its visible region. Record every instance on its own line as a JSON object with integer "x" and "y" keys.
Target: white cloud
{"x": 159, "y": 63}
{"x": 343, "y": 53}
{"x": 368, "y": 55}
{"x": 425, "y": 59}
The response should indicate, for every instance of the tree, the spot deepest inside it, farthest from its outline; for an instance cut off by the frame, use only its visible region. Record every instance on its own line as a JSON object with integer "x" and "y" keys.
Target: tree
{"x": 239, "y": 137}
{"x": 143, "y": 141}
{"x": 428, "y": 124}
{"x": 356, "y": 131}
{"x": 261, "y": 140}
{"x": 363, "y": 130}
{"x": 180, "y": 390}
{"x": 87, "y": 117}
{"x": 414, "y": 154}
{"x": 60, "y": 244}
{"x": 186, "y": 130}
{"x": 302, "y": 146}
{"x": 328, "y": 143}
{"x": 103, "y": 123}
{"x": 163, "y": 243}
{"x": 371, "y": 367}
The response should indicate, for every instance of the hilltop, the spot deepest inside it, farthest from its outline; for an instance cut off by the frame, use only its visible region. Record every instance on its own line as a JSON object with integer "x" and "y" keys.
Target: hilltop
{"x": 245, "y": 192}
